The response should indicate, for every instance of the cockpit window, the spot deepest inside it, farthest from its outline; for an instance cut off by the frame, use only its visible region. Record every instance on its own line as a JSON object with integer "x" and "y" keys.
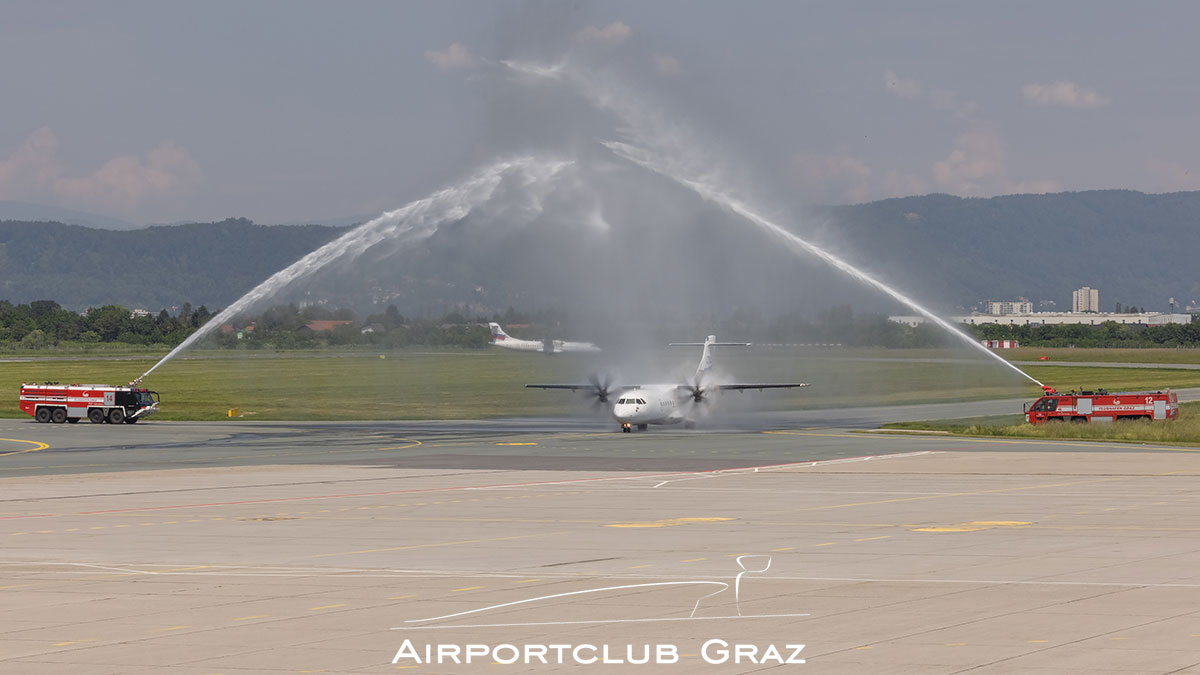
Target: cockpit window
{"x": 641, "y": 401}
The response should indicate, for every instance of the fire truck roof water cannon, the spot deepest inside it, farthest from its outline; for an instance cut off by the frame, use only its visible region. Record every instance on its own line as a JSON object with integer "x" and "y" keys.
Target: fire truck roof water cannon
{"x": 1101, "y": 406}
{"x": 99, "y": 403}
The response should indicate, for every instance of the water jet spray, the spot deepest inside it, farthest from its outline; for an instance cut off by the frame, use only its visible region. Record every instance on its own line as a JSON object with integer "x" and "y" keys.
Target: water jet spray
{"x": 414, "y": 222}
{"x": 668, "y": 150}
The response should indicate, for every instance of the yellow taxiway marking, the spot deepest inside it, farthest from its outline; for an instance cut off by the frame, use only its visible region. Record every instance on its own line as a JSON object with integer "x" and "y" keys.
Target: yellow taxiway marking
{"x": 401, "y": 597}
{"x": 670, "y": 522}
{"x": 412, "y": 443}
{"x": 174, "y": 628}
{"x": 785, "y": 548}
{"x": 885, "y": 536}
{"x": 976, "y": 493}
{"x": 252, "y": 616}
{"x": 516, "y": 444}
{"x": 38, "y": 445}
{"x": 994, "y": 441}
{"x": 974, "y": 526}
{"x": 526, "y": 581}
{"x": 828, "y": 543}
{"x": 73, "y": 642}
{"x": 438, "y": 544}
{"x": 314, "y": 609}
{"x": 468, "y": 588}
{"x": 956, "y": 644}
{"x": 693, "y": 560}
{"x": 1038, "y": 642}
{"x": 638, "y": 567}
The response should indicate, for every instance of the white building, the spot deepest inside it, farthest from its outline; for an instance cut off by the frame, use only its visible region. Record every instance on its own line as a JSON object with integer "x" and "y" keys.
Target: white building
{"x": 1085, "y": 300}
{"x": 1003, "y": 307}
{"x": 1046, "y": 318}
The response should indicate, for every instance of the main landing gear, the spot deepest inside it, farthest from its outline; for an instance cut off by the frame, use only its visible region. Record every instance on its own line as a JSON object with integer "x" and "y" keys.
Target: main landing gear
{"x": 627, "y": 427}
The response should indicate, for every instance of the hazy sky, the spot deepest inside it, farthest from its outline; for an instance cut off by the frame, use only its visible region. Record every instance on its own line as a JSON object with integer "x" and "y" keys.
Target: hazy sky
{"x": 287, "y": 111}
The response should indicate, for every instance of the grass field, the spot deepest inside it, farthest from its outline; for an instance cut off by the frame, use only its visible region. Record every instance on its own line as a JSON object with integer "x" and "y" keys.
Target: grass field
{"x": 417, "y": 384}
{"x": 1166, "y": 355}
{"x": 1185, "y": 430}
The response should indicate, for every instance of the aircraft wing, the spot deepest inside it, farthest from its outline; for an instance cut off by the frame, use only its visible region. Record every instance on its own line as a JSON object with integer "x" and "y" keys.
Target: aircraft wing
{"x": 578, "y": 347}
{"x": 572, "y": 387}
{"x": 759, "y": 387}
{"x": 579, "y": 387}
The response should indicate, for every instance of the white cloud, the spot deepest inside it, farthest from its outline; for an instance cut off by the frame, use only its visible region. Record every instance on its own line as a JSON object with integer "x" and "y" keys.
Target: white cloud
{"x": 976, "y": 167}
{"x": 942, "y": 99}
{"x": 838, "y": 177}
{"x": 939, "y": 99}
{"x": 454, "y": 57}
{"x": 30, "y": 167}
{"x": 613, "y": 34}
{"x": 900, "y": 86}
{"x": 1173, "y": 175}
{"x": 841, "y": 177}
{"x": 124, "y": 184}
{"x": 1033, "y": 187}
{"x": 977, "y": 158}
{"x": 666, "y": 65}
{"x": 1063, "y": 94}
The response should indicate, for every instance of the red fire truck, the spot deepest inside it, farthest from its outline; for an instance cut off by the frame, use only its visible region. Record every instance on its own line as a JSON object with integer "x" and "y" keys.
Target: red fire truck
{"x": 58, "y": 403}
{"x": 1101, "y": 406}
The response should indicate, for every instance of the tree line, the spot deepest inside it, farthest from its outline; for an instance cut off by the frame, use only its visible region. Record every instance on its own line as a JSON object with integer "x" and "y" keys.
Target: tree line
{"x": 44, "y": 324}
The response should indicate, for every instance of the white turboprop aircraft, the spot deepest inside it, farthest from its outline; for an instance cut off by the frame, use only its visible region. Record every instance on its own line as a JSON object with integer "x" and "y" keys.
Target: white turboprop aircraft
{"x": 502, "y": 339}
{"x": 641, "y": 405}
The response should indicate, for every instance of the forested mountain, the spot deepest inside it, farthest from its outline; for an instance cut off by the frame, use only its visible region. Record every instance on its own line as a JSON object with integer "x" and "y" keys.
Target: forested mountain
{"x": 1136, "y": 248}
{"x": 153, "y": 268}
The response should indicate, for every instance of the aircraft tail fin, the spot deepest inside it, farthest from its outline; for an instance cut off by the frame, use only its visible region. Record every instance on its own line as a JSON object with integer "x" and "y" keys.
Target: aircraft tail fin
{"x": 706, "y": 357}
{"x": 497, "y": 332}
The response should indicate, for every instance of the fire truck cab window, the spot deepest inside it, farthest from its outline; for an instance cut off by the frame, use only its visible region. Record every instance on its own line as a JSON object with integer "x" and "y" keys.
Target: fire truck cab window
{"x": 1051, "y": 404}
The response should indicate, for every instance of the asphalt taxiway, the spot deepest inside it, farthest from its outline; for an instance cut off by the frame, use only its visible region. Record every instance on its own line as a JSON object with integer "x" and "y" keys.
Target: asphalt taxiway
{"x": 243, "y": 548}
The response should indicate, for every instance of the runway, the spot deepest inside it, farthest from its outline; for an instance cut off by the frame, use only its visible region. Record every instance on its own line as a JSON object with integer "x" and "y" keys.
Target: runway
{"x": 243, "y": 548}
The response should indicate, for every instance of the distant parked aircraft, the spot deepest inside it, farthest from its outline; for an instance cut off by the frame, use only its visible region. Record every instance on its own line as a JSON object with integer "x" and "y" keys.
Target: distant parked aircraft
{"x": 547, "y": 346}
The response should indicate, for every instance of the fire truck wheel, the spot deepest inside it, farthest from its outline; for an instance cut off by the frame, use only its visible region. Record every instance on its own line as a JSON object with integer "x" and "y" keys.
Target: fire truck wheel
{"x": 72, "y": 420}
{"x": 58, "y": 416}
{"x": 42, "y": 415}
{"x": 131, "y": 420}
{"x": 116, "y": 416}
{"x": 96, "y": 416}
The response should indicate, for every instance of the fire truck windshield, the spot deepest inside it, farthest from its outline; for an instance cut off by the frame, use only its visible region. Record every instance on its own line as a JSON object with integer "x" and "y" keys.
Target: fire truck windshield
{"x": 147, "y": 398}
{"x": 1046, "y": 405}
